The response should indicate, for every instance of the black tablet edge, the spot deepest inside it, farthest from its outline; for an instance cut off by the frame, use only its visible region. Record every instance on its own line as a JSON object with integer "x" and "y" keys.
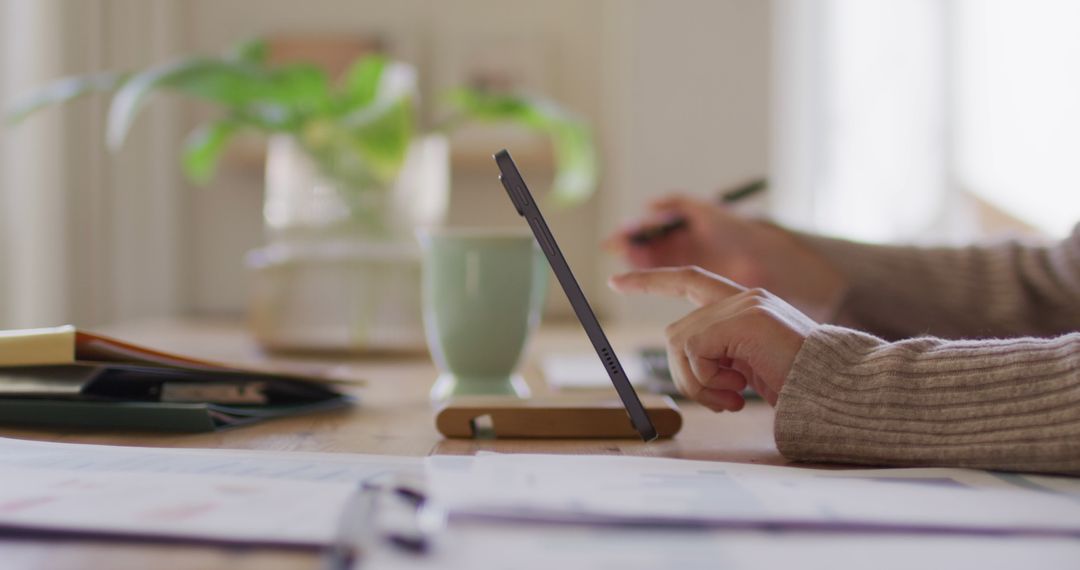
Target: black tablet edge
{"x": 526, "y": 206}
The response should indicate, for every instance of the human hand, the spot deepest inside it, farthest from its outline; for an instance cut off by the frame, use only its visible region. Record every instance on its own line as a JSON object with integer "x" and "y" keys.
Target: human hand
{"x": 737, "y": 336}
{"x": 750, "y": 252}
{"x": 714, "y": 238}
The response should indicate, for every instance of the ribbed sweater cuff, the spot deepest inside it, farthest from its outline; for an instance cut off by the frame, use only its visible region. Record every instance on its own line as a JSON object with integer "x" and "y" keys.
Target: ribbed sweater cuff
{"x": 804, "y": 401}
{"x": 1004, "y": 404}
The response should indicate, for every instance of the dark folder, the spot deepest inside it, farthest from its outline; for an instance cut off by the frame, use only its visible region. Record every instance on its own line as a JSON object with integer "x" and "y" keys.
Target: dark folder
{"x": 129, "y": 387}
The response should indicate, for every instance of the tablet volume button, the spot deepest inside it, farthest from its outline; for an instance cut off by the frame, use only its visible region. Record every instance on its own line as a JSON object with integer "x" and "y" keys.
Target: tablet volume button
{"x": 541, "y": 235}
{"x": 523, "y": 196}
{"x": 547, "y": 243}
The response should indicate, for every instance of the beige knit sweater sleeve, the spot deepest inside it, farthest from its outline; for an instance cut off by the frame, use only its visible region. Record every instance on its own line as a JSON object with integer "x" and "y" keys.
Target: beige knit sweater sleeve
{"x": 1008, "y": 289}
{"x": 1011, "y": 404}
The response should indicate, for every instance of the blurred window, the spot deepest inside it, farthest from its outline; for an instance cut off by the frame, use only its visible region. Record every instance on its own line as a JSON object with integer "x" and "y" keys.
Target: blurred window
{"x": 892, "y": 116}
{"x": 1017, "y": 107}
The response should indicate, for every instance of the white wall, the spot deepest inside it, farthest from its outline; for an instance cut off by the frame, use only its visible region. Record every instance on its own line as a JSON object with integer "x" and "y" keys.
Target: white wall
{"x": 687, "y": 93}
{"x": 32, "y": 205}
{"x": 556, "y": 42}
{"x": 677, "y": 93}
{"x": 87, "y": 237}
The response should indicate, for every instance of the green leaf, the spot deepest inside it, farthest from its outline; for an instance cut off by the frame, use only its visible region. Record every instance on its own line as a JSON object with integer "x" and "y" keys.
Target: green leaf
{"x": 575, "y": 160}
{"x": 204, "y": 146}
{"x": 571, "y": 139}
{"x": 360, "y": 84}
{"x": 490, "y": 106}
{"x": 281, "y": 97}
{"x": 62, "y": 91}
{"x": 252, "y": 51}
{"x": 367, "y": 150}
{"x": 375, "y": 132}
{"x": 213, "y": 79}
{"x": 302, "y": 87}
{"x": 384, "y": 141}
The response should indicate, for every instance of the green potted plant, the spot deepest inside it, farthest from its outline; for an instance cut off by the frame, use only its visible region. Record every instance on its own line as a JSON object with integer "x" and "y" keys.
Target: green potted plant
{"x": 350, "y": 174}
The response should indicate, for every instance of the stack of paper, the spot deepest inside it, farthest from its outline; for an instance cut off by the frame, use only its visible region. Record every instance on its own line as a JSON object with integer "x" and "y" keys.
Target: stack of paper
{"x": 668, "y": 492}
{"x": 518, "y": 547}
{"x": 210, "y": 495}
{"x": 296, "y": 498}
{"x": 62, "y": 377}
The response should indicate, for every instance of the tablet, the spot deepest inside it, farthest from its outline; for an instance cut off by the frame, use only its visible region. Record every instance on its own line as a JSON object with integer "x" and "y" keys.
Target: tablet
{"x": 526, "y": 206}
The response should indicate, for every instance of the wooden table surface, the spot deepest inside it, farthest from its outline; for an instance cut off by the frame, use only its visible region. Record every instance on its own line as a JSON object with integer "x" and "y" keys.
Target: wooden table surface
{"x": 394, "y": 417}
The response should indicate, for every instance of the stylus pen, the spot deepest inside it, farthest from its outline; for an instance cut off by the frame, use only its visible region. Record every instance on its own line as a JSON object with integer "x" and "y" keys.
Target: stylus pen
{"x": 741, "y": 192}
{"x": 387, "y": 509}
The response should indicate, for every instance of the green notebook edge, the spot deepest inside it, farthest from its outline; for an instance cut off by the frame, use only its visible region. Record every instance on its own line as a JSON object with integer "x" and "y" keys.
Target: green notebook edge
{"x": 150, "y": 416}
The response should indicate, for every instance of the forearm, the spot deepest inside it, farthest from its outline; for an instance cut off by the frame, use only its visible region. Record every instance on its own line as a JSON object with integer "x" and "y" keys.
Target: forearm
{"x": 994, "y": 404}
{"x": 1009, "y": 289}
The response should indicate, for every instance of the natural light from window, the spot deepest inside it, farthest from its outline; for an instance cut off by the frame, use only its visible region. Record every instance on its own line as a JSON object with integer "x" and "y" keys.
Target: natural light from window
{"x": 884, "y": 114}
{"x": 892, "y": 113}
{"x": 1017, "y": 108}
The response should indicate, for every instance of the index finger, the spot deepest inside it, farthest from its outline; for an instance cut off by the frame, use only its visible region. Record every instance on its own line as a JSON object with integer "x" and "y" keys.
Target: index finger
{"x": 692, "y": 283}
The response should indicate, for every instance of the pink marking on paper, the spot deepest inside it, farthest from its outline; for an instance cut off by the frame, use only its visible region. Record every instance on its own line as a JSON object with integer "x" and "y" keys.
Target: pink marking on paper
{"x": 23, "y": 504}
{"x": 179, "y": 512}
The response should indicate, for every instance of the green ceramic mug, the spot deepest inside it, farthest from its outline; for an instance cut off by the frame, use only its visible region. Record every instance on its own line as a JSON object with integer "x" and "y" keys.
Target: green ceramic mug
{"x": 483, "y": 292}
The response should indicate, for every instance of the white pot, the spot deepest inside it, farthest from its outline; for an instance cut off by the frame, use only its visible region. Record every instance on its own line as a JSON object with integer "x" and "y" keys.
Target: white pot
{"x": 327, "y": 281}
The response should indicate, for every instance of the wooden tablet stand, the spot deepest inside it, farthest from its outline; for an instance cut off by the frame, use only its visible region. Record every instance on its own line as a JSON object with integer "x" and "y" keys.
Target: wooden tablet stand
{"x": 504, "y": 417}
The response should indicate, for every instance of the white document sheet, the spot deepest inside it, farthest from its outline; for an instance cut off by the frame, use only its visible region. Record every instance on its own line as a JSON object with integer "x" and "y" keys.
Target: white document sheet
{"x": 547, "y": 547}
{"x": 644, "y": 490}
{"x": 291, "y": 498}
